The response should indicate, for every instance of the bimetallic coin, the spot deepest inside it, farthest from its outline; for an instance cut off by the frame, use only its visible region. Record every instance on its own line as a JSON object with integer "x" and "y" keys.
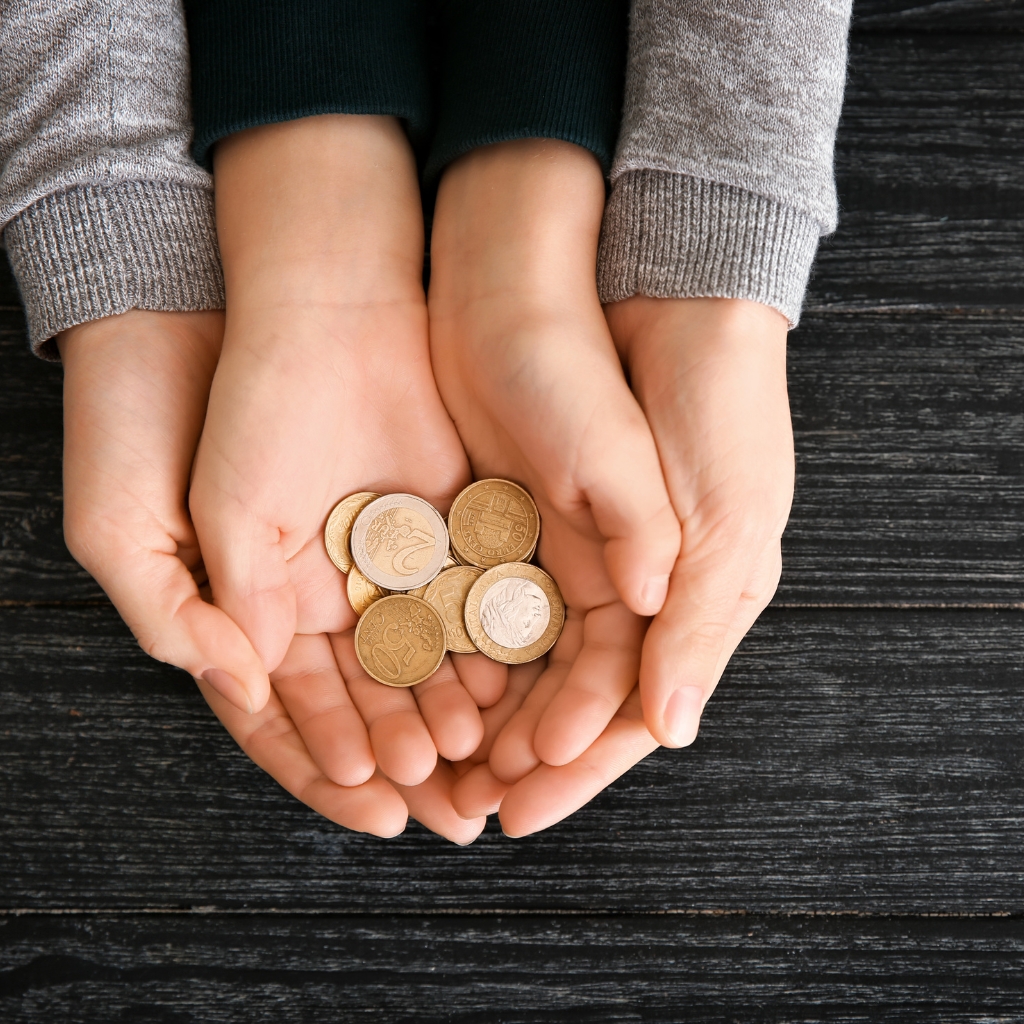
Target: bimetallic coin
{"x": 448, "y": 595}
{"x": 400, "y": 640}
{"x": 339, "y": 527}
{"x": 492, "y": 522}
{"x": 399, "y": 542}
{"x": 514, "y": 613}
{"x": 361, "y": 592}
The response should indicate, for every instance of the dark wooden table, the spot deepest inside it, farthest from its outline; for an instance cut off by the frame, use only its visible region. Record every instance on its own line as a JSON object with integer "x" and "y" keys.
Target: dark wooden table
{"x": 844, "y": 842}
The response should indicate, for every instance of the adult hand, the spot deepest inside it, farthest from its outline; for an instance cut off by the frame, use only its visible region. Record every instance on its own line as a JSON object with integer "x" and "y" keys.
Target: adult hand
{"x": 135, "y": 392}
{"x": 323, "y": 388}
{"x": 710, "y": 375}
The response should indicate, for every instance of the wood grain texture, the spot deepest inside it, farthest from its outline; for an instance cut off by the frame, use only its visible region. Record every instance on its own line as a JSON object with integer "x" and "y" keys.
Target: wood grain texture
{"x": 930, "y": 175}
{"x": 981, "y": 16}
{"x": 910, "y": 459}
{"x": 508, "y": 970}
{"x": 865, "y": 761}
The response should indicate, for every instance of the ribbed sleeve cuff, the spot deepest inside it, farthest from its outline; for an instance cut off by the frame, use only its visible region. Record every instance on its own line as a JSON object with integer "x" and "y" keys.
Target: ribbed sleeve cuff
{"x": 519, "y": 69}
{"x": 259, "y": 62}
{"x": 99, "y": 250}
{"x": 670, "y": 235}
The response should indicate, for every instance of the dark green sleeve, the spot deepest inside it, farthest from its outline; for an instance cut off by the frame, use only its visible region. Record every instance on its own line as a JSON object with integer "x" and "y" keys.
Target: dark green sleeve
{"x": 260, "y": 61}
{"x": 513, "y": 69}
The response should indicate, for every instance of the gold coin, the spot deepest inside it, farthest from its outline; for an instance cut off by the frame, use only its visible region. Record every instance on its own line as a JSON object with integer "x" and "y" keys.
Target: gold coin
{"x": 361, "y": 592}
{"x": 399, "y": 542}
{"x": 339, "y": 527}
{"x": 400, "y": 640}
{"x": 492, "y": 522}
{"x": 449, "y": 563}
{"x": 514, "y": 613}
{"x": 448, "y": 595}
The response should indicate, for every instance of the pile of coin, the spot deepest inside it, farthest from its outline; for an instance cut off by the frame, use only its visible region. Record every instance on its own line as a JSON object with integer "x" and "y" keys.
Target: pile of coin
{"x": 421, "y": 587}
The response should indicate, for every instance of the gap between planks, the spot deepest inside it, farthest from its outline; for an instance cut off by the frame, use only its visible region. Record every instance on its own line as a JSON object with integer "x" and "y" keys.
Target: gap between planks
{"x": 209, "y": 911}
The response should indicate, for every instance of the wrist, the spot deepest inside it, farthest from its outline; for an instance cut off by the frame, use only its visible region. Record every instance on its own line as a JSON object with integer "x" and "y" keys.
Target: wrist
{"x": 519, "y": 217}
{"x": 326, "y": 208}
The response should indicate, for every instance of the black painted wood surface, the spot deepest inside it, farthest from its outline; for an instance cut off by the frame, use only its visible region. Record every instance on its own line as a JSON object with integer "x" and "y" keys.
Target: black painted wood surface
{"x": 844, "y": 841}
{"x": 510, "y": 969}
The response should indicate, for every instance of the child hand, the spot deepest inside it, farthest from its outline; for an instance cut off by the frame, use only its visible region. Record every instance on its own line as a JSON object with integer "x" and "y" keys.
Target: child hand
{"x": 710, "y": 375}
{"x": 324, "y": 388}
{"x": 135, "y": 391}
{"x": 528, "y": 371}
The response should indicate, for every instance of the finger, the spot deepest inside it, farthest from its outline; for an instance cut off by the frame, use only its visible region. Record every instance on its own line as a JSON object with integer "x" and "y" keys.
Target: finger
{"x": 521, "y": 680}
{"x": 271, "y": 740}
{"x": 450, "y": 713}
{"x": 484, "y": 680}
{"x": 686, "y": 639}
{"x": 430, "y": 803}
{"x": 159, "y": 600}
{"x": 399, "y": 738}
{"x": 549, "y": 793}
{"x": 512, "y": 755}
{"x": 631, "y": 507}
{"x": 478, "y": 793}
{"x": 315, "y": 698}
{"x": 601, "y": 678}
{"x": 248, "y": 570}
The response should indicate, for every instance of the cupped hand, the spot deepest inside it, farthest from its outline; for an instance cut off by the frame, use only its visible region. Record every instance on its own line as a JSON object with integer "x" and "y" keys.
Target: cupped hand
{"x": 528, "y": 371}
{"x": 323, "y": 388}
{"x": 135, "y": 393}
{"x": 710, "y": 375}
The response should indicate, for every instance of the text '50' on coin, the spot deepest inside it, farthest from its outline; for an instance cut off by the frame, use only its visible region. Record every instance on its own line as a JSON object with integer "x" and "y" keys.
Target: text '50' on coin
{"x": 448, "y": 595}
{"x": 399, "y": 542}
{"x": 339, "y": 527}
{"x": 492, "y": 522}
{"x": 400, "y": 640}
{"x": 361, "y": 592}
{"x": 514, "y": 613}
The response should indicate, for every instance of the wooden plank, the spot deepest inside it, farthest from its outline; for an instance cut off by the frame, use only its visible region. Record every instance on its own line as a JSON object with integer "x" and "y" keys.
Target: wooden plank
{"x": 864, "y": 761}
{"x": 930, "y": 171}
{"x": 938, "y": 16}
{"x": 910, "y": 459}
{"x": 509, "y": 969}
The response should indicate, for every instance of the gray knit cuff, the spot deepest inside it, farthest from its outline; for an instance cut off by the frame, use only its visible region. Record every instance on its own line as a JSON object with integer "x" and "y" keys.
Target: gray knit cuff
{"x": 670, "y": 235}
{"x": 98, "y": 250}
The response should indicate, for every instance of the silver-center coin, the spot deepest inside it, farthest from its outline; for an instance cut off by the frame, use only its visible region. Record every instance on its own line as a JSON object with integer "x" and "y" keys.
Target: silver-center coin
{"x": 514, "y": 612}
{"x": 399, "y": 542}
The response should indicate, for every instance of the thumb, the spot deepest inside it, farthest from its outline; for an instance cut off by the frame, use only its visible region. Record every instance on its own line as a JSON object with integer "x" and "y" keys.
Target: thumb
{"x": 249, "y": 575}
{"x": 684, "y": 644}
{"x": 159, "y": 600}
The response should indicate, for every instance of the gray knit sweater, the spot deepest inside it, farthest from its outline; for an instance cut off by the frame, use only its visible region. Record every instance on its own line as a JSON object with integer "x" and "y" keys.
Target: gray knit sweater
{"x": 102, "y": 208}
{"x": 722, "y": 181}
{"x": 721, "y": 185}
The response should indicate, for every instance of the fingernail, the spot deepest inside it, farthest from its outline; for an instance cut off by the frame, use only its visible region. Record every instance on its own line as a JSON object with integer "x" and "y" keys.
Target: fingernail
{"x": 229, "y": 688}
{"x": 654, "y": 593}
{"x": 682, "y": 714}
